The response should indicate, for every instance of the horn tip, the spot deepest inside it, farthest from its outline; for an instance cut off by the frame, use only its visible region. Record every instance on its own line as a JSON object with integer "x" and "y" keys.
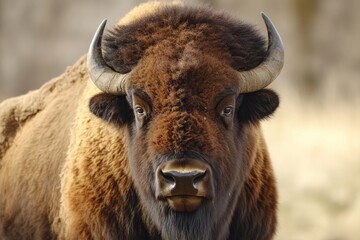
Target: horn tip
{"x": 265, "y": 17}
{"x": 273, "y": 33}
{"x": 263, "y": 14}
{"x": 102, "y": 24}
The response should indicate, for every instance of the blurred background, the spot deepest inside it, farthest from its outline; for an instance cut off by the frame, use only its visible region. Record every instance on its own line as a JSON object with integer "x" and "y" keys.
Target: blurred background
{"x": 313, "y": 137}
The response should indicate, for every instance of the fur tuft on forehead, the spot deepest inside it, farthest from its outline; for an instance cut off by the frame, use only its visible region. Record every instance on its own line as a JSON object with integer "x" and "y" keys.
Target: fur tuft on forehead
{"x": 214, "y": 33}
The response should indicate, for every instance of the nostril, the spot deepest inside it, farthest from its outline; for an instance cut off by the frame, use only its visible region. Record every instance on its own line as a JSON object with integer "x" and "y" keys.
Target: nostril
{"x": 168, "y": 177}
{"x": 199, "y": 177}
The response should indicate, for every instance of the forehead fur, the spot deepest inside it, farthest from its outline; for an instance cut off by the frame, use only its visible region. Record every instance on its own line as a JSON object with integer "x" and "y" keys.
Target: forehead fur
{"x": 216, "y": 33}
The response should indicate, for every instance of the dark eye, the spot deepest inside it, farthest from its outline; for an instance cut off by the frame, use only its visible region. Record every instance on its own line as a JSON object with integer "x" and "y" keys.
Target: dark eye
{"x": 228, "y": 111}
{"x": 140, "y": 112}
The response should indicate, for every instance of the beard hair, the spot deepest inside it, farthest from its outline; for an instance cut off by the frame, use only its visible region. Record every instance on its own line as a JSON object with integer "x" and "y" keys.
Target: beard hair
{"x": 187, "y": 225}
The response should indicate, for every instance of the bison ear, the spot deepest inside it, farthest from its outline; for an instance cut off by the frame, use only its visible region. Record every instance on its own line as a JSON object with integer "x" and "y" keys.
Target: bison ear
{"x": 111, "y": 108}
{"x": 258, "y": 105}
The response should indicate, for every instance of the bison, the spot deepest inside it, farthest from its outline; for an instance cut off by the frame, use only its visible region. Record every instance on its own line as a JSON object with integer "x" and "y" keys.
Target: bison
{"x": 164, "y": 141}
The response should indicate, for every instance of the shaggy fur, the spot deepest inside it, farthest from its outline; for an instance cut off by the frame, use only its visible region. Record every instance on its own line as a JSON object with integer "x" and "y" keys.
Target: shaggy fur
{"x": 216, "y": 33}
{"x": 35, "y": 153}
{"x": 76, "y": 163}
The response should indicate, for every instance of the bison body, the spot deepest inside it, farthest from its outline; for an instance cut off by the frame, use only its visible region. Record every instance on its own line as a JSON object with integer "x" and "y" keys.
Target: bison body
{"x": 178, "y": 153}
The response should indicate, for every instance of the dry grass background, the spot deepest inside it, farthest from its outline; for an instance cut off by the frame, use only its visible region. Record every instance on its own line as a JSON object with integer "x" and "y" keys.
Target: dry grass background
{"x": 313, "y": 137}
{"x": 316, "y": 159}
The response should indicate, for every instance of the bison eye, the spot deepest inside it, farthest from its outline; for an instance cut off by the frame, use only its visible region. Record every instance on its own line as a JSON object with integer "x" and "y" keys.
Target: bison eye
{"x": 140, "y": 112}
{"x": 228, "y": 111}
{"x": 225, "y": 110}
{"x": 142, "y": 109}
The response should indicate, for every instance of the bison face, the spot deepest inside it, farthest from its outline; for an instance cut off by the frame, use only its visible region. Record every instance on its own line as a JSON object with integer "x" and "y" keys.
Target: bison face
{"x": 190, "y": 135}
{"x": 191, "y": 117}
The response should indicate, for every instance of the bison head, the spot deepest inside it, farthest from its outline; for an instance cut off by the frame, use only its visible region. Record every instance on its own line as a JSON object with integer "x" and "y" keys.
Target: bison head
{"x": 188, "y": 85}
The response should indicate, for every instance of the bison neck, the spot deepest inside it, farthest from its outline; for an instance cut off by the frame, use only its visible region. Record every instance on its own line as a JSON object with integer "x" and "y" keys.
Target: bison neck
{"x": 255, "y": 214}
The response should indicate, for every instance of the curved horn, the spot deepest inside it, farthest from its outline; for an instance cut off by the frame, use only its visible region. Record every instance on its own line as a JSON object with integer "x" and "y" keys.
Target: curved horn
{"x": 101, "y": 74}
{"x": 262, "y": 75}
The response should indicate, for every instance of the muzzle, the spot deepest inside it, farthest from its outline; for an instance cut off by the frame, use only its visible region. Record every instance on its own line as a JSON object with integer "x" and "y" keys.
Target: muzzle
{"x": 184, "y": 184}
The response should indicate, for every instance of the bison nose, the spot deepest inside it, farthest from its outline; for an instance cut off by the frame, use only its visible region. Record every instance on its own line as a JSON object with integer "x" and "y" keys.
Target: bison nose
{"x": 184, "y": 184}
{"x": 182, "y": 181}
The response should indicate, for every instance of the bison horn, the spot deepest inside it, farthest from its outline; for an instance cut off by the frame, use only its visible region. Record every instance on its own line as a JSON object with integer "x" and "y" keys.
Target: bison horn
{"x": 262, "y": 75}
{"x": 105, "y": 78}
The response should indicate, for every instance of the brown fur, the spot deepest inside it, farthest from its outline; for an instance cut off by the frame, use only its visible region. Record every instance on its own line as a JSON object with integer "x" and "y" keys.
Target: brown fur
{"x": 232, "y": 41}
{"x": 30, "y": 166}
{"x": 64, "y": 173}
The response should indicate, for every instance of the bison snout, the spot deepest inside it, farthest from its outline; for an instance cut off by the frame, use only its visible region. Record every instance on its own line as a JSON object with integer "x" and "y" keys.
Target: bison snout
{"x": 184, "y": 183}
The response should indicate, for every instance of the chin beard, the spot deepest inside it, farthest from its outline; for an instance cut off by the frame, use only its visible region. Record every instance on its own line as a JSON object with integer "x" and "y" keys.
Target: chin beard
{"x": 187, "y": 225}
